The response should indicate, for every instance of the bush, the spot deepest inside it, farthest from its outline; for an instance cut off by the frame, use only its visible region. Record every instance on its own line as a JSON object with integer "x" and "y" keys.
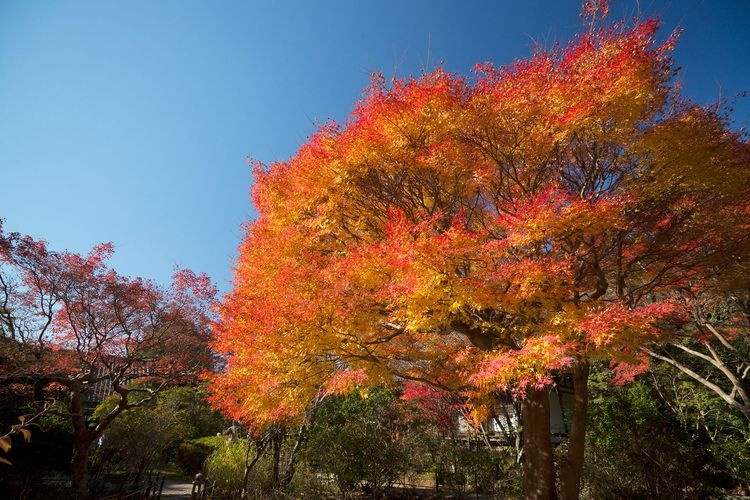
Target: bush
{"x": 151, "y": 435}
{"x": 359, "y": 440}
{"x": 225, "y": 467}
{"x": 461, "y": 466}
{"x": 637, "y": 449}
{"x": 191, "y": 455}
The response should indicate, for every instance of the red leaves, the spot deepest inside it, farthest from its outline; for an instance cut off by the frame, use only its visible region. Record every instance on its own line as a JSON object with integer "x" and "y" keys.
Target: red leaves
{"x": 81, "y": 319}
{"x": 345, "y": 381}
{"x": 618, "y": 324}
{"x": 484, "y": 233}
{"x": 626, "y": 371}
{"x": 405, "y": 95}
{"x": 595, "y": 9}
{"x": 439, "y": 407}
{"x": 529, "y": 366}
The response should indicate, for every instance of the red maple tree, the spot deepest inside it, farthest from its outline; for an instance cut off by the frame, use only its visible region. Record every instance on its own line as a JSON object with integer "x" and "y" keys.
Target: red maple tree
{"x": 73, "y": 323}
{"x": 483, "y": 235}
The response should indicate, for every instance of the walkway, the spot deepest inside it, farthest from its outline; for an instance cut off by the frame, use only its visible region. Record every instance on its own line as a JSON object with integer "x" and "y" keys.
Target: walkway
{"x": 174, "y": 489}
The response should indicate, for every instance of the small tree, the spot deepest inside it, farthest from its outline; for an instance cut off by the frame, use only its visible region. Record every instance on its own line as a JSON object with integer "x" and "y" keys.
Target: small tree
{"x": 638, "y": 448}
{"x": 149, "y": 436}
{"x": 71, "y": 320}
{"x": 713, "y": 349}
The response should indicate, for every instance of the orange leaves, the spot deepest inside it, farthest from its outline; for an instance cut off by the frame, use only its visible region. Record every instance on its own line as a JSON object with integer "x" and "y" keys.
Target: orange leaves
{"x": 404, "y": 124}
{"x": 694, "y": 150}
{"x": 620, "y": 325}
{"x": 526, "y": 367}
{"x": 482, "y": 234}
{"x": 555, "y": 214}
{"x": 411, "y": 97}
{"x": 614, "y": 76}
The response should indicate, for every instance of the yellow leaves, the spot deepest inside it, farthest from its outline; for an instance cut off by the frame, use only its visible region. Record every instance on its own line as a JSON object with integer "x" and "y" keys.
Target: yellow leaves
{"x": 552, "y": 217}
{"x": 26, "y": 435}
{"x": 691, "y": 151}
{"x": 501, "y": 206}
{"x": 456, "y": 307}
{"x": 5, "y": 443}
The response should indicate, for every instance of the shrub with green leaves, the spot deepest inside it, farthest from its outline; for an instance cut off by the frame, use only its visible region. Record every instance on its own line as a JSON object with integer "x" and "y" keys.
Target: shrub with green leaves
{"x": 225, "y": 467}
{"x": 636, "y": 447}
{"x": 359, "y": 440}
{"x": 191, "y": 455}
{"x": 149, "y": 436}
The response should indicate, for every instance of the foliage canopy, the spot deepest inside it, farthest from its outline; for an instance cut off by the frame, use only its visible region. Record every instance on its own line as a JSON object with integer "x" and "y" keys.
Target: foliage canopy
{"x": 479, "y": 234}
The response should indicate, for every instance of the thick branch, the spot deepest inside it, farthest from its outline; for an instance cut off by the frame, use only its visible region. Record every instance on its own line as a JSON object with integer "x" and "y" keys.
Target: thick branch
{"x": 744, "y": 409}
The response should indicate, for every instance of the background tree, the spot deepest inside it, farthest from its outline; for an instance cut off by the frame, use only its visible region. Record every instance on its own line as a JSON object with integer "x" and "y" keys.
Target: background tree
{"x": 663, "y": 436}
{"x": 460, "y": 456}
{"x": 153, "y": 434}
{"x": 482, "y": 235}
{"x": 71, "y": 320}
{"x": 713, "y": 349}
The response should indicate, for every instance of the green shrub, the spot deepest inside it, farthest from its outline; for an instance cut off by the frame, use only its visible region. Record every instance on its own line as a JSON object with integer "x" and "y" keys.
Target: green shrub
{"x": 191, "y": 455}
{"x": 152, "y": 435}
{"x": 459, "y": 467}
{"x": 637, "y": 449}
{"x": 225, "y": 468}
{"x": 359, "y": 440}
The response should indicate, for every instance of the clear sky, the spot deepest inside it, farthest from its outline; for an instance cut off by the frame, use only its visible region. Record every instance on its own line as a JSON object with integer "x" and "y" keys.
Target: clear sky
{"x": 131, "y": 121}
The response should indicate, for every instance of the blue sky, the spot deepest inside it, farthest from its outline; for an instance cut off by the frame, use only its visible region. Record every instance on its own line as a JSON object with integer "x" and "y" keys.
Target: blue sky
{"x": 131, "y": 121}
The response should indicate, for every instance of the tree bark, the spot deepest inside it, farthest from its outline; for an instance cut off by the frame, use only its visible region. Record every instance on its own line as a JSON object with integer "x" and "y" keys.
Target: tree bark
{"x": 259, "y": 445}
{"x": 291, "y": 464}
{"x": 82, "y": 439}
{"x": 538, "y": 465}
{"x": 276, "y": 442}
{"x": 80, "y": 465}
{"x": 572, "y": 466}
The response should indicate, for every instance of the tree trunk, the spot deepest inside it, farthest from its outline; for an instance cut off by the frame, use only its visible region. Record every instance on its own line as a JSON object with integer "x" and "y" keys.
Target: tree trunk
{"x": 276, "y": 442}
{"x": 82, "y": 439}
{"x": 259, "y": 445}
{"x": 538, "y": 465}
{"x": 80, "y": 463}
{"x": 572, "y": 466}
{"x": 291, "y": 464}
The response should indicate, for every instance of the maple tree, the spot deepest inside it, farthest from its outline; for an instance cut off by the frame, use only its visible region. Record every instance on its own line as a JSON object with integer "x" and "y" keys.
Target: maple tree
{"x": 482, "y": 235}
{"x": 70, "y": 323}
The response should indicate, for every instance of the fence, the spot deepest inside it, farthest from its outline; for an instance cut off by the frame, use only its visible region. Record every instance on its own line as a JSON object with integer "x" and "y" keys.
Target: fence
{"x": 151, "y": 488}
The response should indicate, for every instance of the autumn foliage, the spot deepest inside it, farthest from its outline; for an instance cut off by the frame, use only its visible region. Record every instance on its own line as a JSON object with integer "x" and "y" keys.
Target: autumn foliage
{"x": 73, "y": 330}
{"x": 67, "y": 317}
{"x": 481, "y": 234}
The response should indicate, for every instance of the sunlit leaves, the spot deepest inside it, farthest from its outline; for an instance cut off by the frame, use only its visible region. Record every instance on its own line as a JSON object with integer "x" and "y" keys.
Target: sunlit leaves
{"x": 481, "y": 234}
